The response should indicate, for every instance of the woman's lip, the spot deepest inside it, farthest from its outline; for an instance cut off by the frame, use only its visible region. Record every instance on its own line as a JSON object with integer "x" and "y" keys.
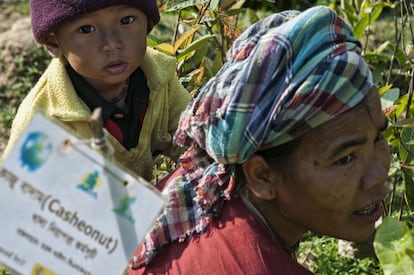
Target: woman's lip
{"x": 370, "y": 213}
{"x": 377, "y": 199}
{"x": 116, "y": 67}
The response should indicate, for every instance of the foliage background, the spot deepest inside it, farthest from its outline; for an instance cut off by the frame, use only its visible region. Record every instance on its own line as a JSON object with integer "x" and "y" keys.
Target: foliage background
{"x": 199, "y": 32}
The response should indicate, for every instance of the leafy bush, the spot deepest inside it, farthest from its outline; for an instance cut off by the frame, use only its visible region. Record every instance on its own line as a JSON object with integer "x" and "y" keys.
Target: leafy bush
{"x": 394, "y": 244}
{"x": 27, "y": 69}
{"x": 320, "y": 254}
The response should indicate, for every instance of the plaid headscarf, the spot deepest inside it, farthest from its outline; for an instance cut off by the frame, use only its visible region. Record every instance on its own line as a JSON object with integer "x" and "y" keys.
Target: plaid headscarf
{"x": 285, "y": 75}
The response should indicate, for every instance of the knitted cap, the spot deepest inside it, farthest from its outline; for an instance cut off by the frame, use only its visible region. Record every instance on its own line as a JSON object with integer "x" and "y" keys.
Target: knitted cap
{"x": 47, "y": 15}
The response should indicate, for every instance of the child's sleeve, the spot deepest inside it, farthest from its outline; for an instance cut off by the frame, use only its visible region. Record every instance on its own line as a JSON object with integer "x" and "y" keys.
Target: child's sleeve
{"x": 178, "y": 100}
{"x": 23, "y": 116}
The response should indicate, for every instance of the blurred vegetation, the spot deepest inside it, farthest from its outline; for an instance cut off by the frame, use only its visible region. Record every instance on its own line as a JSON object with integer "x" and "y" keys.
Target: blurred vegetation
{"x": 198, "y": 34}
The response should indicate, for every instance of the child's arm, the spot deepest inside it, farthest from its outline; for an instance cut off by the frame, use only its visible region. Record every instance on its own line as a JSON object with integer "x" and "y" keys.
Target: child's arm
{"x": 178, "y": 100}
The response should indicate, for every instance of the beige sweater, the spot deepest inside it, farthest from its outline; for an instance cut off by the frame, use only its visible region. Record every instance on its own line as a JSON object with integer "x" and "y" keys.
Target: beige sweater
{"x": 56, "y": 97}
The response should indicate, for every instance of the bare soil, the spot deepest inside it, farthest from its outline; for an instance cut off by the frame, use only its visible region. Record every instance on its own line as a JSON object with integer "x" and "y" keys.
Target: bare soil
{"x": 15, "y": 37}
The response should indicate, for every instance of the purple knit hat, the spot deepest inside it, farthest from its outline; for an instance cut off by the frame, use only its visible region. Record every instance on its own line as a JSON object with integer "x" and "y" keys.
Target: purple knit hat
{"x": 47, "y": 15}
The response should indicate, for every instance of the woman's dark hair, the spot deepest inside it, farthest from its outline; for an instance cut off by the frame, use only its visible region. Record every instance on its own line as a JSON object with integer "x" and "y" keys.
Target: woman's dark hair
{"x": 275, "y": 156}
{"x": 279, "y": 153}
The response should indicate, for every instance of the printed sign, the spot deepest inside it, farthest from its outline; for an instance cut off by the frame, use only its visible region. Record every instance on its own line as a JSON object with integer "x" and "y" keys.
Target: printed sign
{"x": 65, "y": 209}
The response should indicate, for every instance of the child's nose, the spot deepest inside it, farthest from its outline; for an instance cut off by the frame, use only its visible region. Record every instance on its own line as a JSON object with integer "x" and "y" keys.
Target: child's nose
{"x": 111, "y": 41}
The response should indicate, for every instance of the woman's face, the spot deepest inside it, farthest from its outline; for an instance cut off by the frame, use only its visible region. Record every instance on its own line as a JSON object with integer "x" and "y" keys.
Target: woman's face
{"x": 336, "y": 182}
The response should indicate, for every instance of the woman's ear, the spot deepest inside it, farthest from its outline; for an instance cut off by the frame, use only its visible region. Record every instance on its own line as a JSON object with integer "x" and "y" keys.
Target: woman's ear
{"x": 260, "y": 178}
{"x": 52, "y": 46}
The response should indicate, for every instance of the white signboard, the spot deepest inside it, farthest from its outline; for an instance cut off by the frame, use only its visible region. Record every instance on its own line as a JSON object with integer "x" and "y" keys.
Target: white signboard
{"x": 65, "y": 209}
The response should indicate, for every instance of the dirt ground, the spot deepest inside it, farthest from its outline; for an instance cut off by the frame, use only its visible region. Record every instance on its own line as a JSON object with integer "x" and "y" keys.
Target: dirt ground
{"x": 15, "y": 37}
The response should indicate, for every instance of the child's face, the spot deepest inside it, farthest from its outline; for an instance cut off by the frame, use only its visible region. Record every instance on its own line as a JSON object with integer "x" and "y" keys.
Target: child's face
{"x": 104, "y": 46}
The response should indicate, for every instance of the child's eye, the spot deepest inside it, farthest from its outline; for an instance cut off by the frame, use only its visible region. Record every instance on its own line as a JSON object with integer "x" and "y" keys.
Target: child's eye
{"x": 86, "y": 29}
{"x": 345, "y": 160}
{"x": 127, "y": 20}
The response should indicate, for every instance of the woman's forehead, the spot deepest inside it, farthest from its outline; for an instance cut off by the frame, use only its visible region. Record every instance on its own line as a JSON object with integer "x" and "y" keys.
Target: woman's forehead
{"x": 364, "y": 120}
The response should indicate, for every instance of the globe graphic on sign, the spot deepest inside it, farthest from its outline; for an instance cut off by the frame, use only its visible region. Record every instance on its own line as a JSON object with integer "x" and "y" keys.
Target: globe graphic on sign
{"x": 35, "y": 150}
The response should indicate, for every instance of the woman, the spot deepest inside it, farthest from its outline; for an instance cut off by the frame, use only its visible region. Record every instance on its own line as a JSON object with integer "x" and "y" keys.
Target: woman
{"x": 286, "y": 138}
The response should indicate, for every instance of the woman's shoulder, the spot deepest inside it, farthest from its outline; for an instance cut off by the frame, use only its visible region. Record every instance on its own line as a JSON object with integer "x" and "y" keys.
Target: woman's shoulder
{"x": 234, "y": 244}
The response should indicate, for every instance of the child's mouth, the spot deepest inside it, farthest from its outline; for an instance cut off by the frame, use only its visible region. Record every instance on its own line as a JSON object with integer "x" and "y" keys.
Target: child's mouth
{"x": 116, "y": 68}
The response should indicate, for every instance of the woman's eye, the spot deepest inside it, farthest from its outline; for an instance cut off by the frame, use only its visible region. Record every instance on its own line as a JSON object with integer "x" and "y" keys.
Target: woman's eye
{"x": 86, "y": 29}
{"x": 380, "y": 137}
{"x": 345, "y": 160}
{"x": 127, "y": 20}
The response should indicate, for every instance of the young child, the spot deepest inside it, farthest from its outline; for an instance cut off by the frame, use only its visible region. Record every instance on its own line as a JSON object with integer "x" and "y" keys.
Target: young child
{"x": 100, "y": 59}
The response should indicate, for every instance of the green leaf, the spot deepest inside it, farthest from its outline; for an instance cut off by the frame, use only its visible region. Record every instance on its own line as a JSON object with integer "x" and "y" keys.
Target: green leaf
{"x": 360, "y": 26}
{"x": 401, "y": 56}
{"x": 197, "y": 44}
{"x": 235, "y": 12}
{"x": 185, "y": 37}
{"x": 388, "y": 96}
{"x": 394, "y": 247}
{"x": 214, "y": 4}
{"x": 409, "y": 187}
{"x": 252, "y": 16}
{"x": 404, "y": 123}
{"x": 350, "y": 12}
{"x": 195, "y": 60}
{"x": 406, "y": 149}
{"x": 166, "y": 48}
{"x": 383, "y": 90}
{"x": 174, "y": 5}
{"x": 366, "y": 20}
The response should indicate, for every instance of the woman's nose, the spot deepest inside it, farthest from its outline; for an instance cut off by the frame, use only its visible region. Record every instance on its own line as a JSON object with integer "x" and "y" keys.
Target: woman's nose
{"x": 378, "y": 166}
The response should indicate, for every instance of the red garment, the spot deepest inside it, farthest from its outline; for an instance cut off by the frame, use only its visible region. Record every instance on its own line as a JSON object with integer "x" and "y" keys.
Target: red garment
{"x": 235, "y": 244}
{"x": 114, "y": 130}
